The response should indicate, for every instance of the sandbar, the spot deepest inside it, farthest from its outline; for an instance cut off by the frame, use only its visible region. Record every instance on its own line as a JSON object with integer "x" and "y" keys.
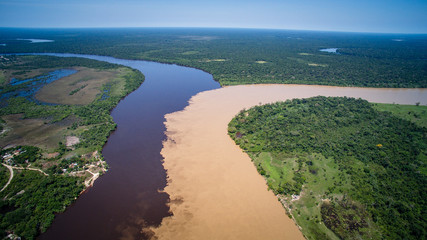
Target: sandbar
{"x": 215, "y": 190}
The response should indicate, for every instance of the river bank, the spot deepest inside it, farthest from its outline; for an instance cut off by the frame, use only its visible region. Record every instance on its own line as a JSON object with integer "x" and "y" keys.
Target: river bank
{"x": 215, "y": 190}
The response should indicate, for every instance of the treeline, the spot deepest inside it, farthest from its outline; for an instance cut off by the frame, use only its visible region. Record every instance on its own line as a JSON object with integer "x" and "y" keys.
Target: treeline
{"x": 30, "y": 62}
{"x": 252, "y": 56}
{"x": 378, "y": 163}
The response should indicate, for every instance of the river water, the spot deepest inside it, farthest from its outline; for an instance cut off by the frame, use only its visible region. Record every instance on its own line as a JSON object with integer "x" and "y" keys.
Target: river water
{"x": 127, "y": 197}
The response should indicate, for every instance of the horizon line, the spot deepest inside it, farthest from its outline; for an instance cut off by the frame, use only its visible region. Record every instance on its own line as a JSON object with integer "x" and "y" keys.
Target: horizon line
{"x": 240, "y": 28}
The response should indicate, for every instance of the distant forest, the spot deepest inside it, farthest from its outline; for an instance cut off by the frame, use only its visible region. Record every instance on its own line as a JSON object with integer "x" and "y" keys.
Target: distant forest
{"x": 241, "y": 56}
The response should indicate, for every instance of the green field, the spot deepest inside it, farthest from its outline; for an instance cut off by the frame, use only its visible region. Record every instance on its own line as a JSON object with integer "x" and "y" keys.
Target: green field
{"x": 82, "y": 87}
{"x": 341, "y": 168}
{"x": 412, "y": 113}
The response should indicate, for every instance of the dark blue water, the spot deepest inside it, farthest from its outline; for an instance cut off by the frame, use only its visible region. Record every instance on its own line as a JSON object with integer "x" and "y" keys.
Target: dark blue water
{"x": 29, "y": 87}
{"x": 106, "y": 93}
{"x": 128, "y": 198}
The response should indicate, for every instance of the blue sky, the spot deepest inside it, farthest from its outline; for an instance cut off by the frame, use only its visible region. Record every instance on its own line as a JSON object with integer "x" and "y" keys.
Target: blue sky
{"x": 386, "y": 16}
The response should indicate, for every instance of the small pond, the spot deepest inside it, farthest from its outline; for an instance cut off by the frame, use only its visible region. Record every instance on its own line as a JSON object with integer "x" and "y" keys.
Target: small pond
{"x": 330, "y": 50}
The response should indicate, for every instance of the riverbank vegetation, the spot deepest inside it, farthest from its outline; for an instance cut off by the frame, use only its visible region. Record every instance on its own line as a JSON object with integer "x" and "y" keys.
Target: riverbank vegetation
{"x": 54, "y": 149}
{"x": 341, "y": 168}
{"x": 30, "y": 201}
{"x": 244, "y": 56}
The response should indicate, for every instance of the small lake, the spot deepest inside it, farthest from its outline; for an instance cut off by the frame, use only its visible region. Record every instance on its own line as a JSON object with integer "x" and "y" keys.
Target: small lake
{"x": 329, "y": 50}
{"x": 34, "y": 40}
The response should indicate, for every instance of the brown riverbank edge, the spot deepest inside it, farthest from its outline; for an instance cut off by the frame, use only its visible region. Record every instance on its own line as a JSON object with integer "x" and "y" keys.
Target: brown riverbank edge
{"x": 215, "y": 190}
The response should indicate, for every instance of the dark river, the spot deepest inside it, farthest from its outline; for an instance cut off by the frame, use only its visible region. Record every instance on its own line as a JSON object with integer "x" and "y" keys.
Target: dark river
{"x": 128, "y": 197}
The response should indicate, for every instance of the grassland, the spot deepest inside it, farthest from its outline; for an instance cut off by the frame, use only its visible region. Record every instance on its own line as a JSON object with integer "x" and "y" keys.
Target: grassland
{"x": 412, "y": 113}
{"x": 82, "y": 87}
{"x": 55, "y": 149}
{"x": 343, "y": 168}
{"x": 320, "y": 175}
{"x": 34, "y": 131}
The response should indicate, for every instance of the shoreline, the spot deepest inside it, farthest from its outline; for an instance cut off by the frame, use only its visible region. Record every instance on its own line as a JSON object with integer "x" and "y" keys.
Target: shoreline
{"x": 215, "y": 190}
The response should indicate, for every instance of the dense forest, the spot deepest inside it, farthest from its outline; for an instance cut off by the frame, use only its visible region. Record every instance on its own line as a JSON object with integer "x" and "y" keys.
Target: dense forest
{"x": 46, "y": 180}
{"x": 32, "y": 201}
{"x": 243, "y": 56}
{"x": 341, "y": 168}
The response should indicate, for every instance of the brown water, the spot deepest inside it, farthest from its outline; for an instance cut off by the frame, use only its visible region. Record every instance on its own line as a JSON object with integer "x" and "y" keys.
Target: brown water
{"x": 127, "y": 198}
{"x": 215, "y": 189}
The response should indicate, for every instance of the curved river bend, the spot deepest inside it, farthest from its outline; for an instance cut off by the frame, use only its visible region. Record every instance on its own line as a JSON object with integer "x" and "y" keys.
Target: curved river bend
{"x": 127, "y": 198}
